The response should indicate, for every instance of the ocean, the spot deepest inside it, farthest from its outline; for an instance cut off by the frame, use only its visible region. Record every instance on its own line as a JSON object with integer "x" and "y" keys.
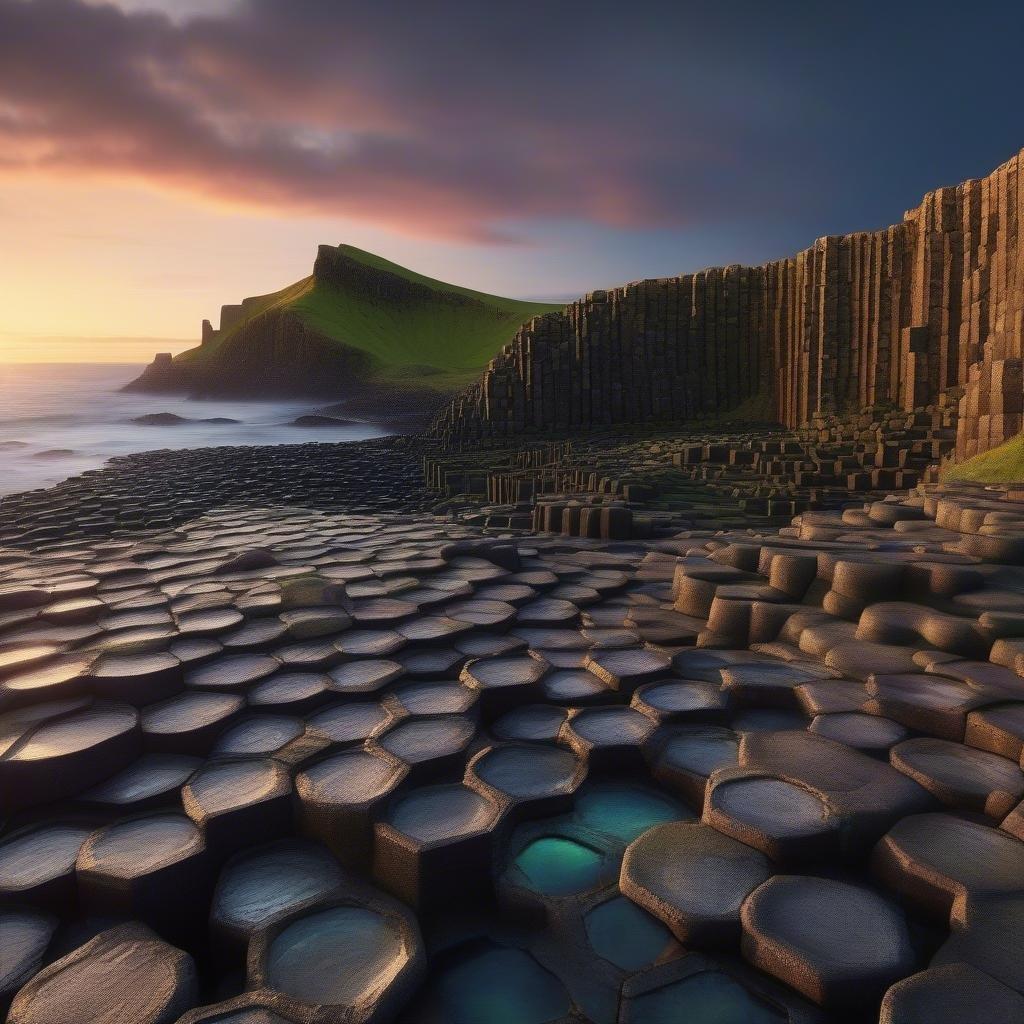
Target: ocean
{"x": 57, "y": 420}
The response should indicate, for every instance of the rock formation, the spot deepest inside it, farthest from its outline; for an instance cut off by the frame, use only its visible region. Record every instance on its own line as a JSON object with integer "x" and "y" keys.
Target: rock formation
{"x": 357, "y": 318}
{"x": 890, "y": 317}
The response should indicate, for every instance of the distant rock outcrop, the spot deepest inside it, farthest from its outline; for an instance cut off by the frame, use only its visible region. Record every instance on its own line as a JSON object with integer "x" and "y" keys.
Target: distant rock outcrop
{"x": 170, "y": 419}
{"x": 356, "y": 319}
{"x": 319, "y": 420}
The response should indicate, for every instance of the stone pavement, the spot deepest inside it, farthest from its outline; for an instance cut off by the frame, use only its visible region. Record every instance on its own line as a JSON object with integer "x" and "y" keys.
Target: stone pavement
{"x": 278, "y": 764}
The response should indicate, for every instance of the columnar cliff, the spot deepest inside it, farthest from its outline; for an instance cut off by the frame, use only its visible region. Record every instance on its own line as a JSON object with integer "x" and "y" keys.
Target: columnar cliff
{"x": 895, "y": 316}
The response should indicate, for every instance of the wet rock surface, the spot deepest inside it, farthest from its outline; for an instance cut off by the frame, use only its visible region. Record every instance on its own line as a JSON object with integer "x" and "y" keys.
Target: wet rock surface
{"x": 292, "y": 763}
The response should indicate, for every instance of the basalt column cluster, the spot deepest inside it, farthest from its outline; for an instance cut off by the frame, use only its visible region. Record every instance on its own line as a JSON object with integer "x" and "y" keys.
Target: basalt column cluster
{"x": 892, "y": 317}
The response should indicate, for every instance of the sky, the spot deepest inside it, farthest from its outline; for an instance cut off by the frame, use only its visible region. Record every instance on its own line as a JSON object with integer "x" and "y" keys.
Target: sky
{"x": 161, "y": 157}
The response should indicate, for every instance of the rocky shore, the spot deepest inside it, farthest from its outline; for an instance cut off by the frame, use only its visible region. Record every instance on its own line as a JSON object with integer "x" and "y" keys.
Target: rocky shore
{"x": 704, "y": 727}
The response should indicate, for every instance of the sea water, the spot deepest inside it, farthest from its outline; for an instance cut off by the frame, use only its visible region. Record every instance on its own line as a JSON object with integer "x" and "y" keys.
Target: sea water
{"x": 57, "y": 420}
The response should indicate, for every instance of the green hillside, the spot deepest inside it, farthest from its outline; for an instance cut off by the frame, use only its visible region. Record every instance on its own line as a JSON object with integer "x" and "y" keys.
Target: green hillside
{"x": 408, "y": 324}
{"x": 1002, "y": 465}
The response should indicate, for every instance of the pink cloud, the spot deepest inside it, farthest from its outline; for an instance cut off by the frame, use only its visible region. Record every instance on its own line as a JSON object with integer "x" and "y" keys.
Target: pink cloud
{"x": 430, "y": 122}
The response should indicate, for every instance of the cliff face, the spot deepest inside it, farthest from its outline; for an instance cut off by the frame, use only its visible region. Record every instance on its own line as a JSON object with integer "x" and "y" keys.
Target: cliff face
{"x": 891, "y": 316}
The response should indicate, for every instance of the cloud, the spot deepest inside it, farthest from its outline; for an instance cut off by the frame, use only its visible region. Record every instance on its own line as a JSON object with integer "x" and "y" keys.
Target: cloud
{"x": 469, "y": 120}
{"x": 446, "y": 119}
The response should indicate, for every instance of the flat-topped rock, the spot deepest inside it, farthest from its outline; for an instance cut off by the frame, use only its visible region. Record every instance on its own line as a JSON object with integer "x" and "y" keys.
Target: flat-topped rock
{"x": 152, "y": 780}
{"x": 57, "y": 678}
{"x": 962, "y": 777}
{"x": 625, "y": 670}
{"x": 608, "y": 735}
{"x": 265, "y": 883}
{"x": 153, "y": 868}
{"x": 348, "y": 723}
{"x": 433, "y": 846}
{"x": 70, "y": 753}
{"x": 574, "y": 687}
{"x": 237, "y": 803}
{"x": 787, "y": 822}
{"x": 337, "y": 957}
{"x": 364, "y": 677}
{"x": 27, "y": 934}
{"x": 867, "y": 795}
{"x": 291, "y": 692}
{"x": 235, "y": 673}
{"x": 37, "y": 863}
{"x": 430, "y": 746}
{"x": 340, "y": 797}
{"x": 682, "y": 757}
{"x": 694, "y": 988}
{"x": 623, "y": 934}
{"x": 138, "y": 678}
{"x": 89, "y": 983}
{"x": 989, "y": 939}
{"x": 953, "y": 994}
{"x": 869, "y": 733}
{"x": 682, "y": 700}
{"x": 503, "y": 682}
{"x": 840, "y": 945}
{"x": 925, "y": 703}
{"x": 999, "y": 730}
{"x": 940, "y": 863}
{"x": 528, "y": 773}
{"x": 191, "y": 723}
{"x": 693, "y": 878}
{"x": 539, "y": 723}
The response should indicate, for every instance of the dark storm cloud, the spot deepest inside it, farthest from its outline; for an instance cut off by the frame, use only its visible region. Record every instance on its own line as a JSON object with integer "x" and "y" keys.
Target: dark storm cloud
{"x": 462, "y": 119}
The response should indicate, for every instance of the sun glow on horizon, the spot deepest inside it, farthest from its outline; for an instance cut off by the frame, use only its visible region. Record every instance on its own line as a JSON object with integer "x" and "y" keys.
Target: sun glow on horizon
{"x": 24, "y": 349}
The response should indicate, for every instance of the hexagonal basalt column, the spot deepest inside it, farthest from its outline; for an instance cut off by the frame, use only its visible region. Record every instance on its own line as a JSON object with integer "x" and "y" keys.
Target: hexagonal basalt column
{"x": 347, "y": 724}
{"x": 625, "y": 670}
{"x": 233, "y": 674}
{"x": 37, "y": 864}
{"x": 65, "y": 755}
{"x": 964, "y": 778}
{"x": 341, "y": 797}
{"x": 682, "y": 757}
{"x": 433, "y": 847}
{"x": 27, "y": 934}
{"x": 535, "y": 780}
{"x": 191, "y": 723}
{"x": 789, "y": 823}
{"x": 482, "y": 980}
{"x": 152, "y": 781}
{"x": 504, "y": 683}
{"x": 535, "y": 723}
{"x": 138, "y": 679}
{"x": 694, "y": 879}
{"x": 363, "y": 679}
{"x": 940, "y": 863}
{"x": 68, "y": 675}
{"x": 153, "y": 868}
{"x": 125, "y": 973}
{"x": 682, "y": 700}
{"x": 264, "y": 884}
{"x": 952, "y": 993}
{"x": 353, "y": 959}
{"x": 608, "y": 737}
{"x": 693, "y": 987}
{"x": 840, "y": 945}
{"x": 238, "y": 803}
{"x": 434, "y": 747}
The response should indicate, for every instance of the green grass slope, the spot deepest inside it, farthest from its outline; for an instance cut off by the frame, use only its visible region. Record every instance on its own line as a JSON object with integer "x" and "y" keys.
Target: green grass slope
{"x": 411, "y": 326}
{"x": 1002, "y": 465}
